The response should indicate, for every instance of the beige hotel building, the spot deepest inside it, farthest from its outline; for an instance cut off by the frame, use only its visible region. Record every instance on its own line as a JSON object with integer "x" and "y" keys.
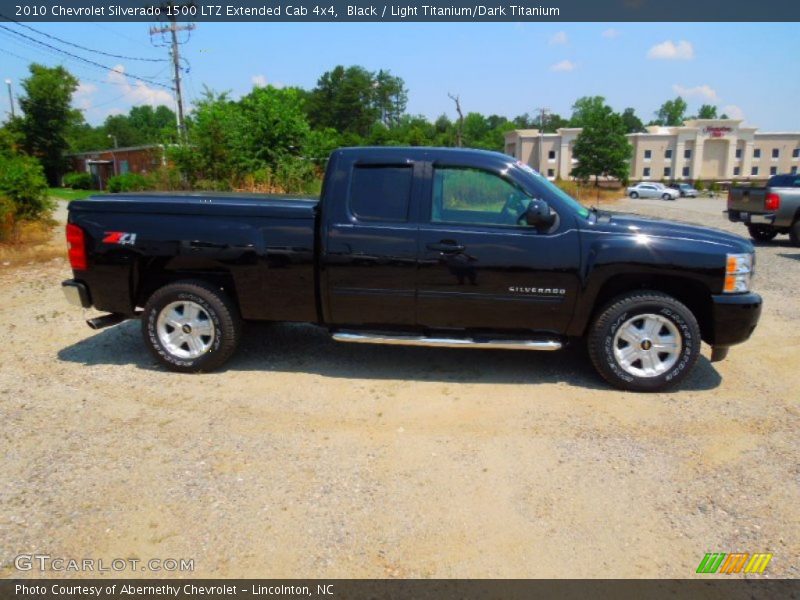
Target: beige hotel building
{"x": 707, "y": 149}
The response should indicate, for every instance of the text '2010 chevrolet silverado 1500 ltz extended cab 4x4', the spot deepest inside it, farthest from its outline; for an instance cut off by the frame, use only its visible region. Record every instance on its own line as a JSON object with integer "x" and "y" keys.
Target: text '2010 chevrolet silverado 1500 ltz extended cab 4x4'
{"x": 422, "y": 246}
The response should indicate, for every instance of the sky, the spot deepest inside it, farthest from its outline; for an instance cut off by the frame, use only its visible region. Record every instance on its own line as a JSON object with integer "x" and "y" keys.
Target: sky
{"x": 496, "y": 68}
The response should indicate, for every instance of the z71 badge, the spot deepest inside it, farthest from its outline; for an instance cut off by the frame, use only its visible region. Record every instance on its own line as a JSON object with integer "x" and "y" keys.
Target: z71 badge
{"x": 119, "y": 237}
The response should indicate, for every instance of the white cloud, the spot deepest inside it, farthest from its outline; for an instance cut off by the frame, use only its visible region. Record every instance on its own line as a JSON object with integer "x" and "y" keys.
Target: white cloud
{"x": 611, "y": 33}
{"x": 669, "y": 50}
{"x": 82, "y": 98}
{"x": 733, "y": 111}
{"x": 138, "y": 92}
{"x": 564, "y": 65}
{"x": 259, "y": 80}
{"x": 704, "y": 91}
{"x": 559, "y": 38}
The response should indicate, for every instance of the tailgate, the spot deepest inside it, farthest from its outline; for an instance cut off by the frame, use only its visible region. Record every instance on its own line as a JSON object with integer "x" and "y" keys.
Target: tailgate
{"x": 747, "y": 199}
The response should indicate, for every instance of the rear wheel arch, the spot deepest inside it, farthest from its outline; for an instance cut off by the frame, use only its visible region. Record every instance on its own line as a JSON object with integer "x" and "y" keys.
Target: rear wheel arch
{"x": 154, "y": 274}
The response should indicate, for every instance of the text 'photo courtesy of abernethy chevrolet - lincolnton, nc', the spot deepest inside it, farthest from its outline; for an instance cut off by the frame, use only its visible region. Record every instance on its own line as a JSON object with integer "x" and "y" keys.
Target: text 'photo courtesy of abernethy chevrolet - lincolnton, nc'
{"x": 416, "y": 246}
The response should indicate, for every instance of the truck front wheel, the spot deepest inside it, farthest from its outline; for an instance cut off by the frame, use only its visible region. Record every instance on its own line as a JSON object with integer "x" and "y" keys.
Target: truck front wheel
{"x": 191, "y": 326}
{"x": 761, "y": 233}
{"x": 644, "y": 341}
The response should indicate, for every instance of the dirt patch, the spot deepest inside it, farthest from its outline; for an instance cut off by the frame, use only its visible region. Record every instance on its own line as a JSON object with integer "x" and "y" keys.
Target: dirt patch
{"x": 309, "y": 458}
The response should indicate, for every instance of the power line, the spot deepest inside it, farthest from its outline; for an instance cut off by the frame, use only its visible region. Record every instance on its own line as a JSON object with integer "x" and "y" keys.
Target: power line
{"x": 86, "y": 60}
{"x": 53, "y": 37}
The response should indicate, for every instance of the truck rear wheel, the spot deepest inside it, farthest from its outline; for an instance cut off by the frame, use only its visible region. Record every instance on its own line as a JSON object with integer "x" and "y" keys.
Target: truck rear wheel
{"x": 761, "y": 233}
{"x": 644, "y": 341}
{"x": 794, "y": 233}
{"x": 191, "y": 326}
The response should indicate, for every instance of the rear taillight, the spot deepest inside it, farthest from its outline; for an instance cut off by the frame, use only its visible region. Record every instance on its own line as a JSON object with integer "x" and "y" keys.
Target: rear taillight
{"x": 76, "y": 243}
{"x": 773, "y": 202}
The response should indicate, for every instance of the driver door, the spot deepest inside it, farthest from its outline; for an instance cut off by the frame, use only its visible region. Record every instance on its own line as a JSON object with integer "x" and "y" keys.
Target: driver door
{"x": 481, "y": 266}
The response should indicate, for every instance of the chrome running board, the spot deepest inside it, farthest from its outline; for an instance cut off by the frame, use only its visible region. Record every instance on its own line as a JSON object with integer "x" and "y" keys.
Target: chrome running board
{"x": 414, "y": 340}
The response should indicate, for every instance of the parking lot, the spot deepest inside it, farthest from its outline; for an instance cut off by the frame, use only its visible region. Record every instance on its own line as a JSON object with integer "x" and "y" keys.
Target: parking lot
{"x": 309, "y": 458}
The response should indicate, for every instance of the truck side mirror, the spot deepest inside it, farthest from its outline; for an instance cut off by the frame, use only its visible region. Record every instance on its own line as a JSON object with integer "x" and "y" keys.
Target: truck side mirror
{"x": 539, "y": 215}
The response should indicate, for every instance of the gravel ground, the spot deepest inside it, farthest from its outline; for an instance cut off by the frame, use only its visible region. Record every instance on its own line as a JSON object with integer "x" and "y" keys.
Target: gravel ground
{"x": 305, "y": 458}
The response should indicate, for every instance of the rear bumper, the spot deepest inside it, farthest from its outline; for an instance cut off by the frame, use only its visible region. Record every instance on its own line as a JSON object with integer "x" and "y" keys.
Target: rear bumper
{"x": 748, "y": 218}
{"x": 735, "y": 317}
{"x": 76, "y": 293}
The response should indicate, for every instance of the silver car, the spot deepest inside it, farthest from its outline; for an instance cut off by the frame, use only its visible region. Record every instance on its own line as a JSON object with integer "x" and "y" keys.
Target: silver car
{"x": 652, "y": 190}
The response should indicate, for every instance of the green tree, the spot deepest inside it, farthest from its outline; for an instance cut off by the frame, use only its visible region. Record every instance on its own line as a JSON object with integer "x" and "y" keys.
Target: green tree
{"x": 672, "y": 112}
{"x": 343, "y": 99}
{"x": 633, "y": 124}
{"x": 707, "y": 111}
{"x": 46, "y": 107}
{"x": 390, "y": 97}
{"x": 601, "y": 148}
{"x": 584, "y": 108}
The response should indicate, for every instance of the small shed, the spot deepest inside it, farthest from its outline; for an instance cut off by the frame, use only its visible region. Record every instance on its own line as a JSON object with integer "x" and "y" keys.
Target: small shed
{"x": 102, "y": 164}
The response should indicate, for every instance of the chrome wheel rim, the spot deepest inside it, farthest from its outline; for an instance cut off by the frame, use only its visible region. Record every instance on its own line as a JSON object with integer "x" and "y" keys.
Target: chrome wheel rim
{"x": 185, "y": 329}
{"x": 647, "y": 345}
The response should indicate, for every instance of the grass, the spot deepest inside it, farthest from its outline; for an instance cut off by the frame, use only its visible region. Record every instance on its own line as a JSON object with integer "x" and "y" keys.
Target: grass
{"x": 37, "y": 241}
{"x": 70, "y": 194}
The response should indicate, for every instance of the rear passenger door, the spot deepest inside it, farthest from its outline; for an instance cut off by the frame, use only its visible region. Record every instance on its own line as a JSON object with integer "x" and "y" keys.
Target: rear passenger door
{"x": 370, "y": 258}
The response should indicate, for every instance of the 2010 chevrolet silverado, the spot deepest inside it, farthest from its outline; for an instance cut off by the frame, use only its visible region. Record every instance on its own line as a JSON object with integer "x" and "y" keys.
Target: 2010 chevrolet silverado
{"x": 423, "y": 246}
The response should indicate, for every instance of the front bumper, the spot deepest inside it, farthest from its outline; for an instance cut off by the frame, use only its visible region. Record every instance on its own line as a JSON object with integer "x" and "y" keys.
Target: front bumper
{"x": 76, "y": 293}
{"x": 735, "y": 316}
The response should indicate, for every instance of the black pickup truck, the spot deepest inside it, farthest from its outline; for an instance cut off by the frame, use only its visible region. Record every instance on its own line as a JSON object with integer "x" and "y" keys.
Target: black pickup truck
{"x": 422, "y": 246}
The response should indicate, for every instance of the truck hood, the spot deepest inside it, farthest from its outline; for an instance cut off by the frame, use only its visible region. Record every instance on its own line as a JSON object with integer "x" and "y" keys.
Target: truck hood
{"x": 673, "y": 230}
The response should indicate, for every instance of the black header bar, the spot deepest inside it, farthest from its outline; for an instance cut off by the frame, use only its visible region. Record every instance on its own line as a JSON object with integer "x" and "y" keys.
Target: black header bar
{"x": 403, "y": 10}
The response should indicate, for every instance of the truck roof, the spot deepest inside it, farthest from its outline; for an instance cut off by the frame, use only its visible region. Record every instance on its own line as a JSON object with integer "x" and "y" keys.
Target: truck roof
{"x": 429, "y": 153}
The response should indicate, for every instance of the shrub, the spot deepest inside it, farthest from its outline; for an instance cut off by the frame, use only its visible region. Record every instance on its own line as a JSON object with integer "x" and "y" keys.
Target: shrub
{"x": 24, "y": 186}
{"x": 78, "y": 181}
{"x": 128, "y": 182}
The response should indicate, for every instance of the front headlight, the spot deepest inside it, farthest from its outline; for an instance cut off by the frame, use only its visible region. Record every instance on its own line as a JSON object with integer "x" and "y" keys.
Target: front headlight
{"x": 738, "y": 272}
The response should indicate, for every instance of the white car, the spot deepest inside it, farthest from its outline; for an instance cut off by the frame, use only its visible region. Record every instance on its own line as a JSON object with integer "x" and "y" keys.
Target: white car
{"x": 652, "y": 190}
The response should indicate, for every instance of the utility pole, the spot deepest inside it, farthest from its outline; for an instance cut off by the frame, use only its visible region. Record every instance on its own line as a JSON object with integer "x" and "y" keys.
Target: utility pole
{"x": 173, "y": 28}
{"x": 542, "y": 115}
{"x": 10, "y": 97}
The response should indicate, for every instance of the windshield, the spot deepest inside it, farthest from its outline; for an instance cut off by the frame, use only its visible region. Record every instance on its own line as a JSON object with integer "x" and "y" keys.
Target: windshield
{"x": 555, "y": 190}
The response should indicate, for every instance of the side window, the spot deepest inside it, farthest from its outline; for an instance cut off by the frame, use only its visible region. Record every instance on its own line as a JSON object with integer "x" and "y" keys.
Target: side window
{"x": 380, "y": 193}
{"x": 472, "y": 196}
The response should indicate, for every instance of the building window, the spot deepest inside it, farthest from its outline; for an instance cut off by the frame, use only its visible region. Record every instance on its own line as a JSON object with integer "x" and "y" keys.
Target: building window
{"x": 776, "y": 153}
{"x": 796, "y": 153}
{"x": 667, "y": 172}
{"x": 646, "y": 172}
{"x": 551, "y": 155}
{"x": 738, "y": 153}
{"x": 648, "y": 154}
{"x": 794, "y": 170}
{"x": 773, "y": 170}
{"x": 685, "y": 171}
{"x": 757, "y": 153}
{"x": 736, "y": 171}
{"x": 754, "y": 171}
{"x": 687, "y": 153}
{"x": 668, "y": 153}
{"x": 551, "y": 172}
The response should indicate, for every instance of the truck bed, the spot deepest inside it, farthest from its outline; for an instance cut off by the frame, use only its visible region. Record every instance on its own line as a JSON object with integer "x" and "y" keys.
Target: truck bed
{"x": 205, "y": 203}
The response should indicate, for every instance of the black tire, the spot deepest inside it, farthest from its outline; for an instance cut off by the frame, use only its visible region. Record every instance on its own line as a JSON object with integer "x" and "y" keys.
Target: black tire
{"x": 666, "y": 197}
{"x": 622, "y": 311}
{"x": 634, "y": 195}
{"x": 794, "y": 234}
{"x": 761, "y": 233}
{"x": 221, "y": 317}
